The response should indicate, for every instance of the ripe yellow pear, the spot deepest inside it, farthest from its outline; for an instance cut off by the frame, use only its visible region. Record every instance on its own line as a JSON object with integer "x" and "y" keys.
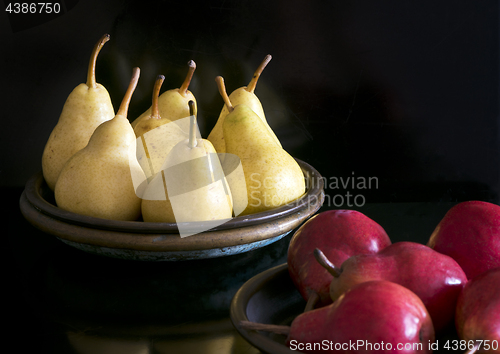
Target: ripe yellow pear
{"x": 87, "y": 106}
{"x": 191, "y": 187}
{"x": 156, "y": 135}
{"x": 273, "y": 178}
{"x": 173, "y": 104}
{"x": 104, "y": 179}
{"x": 243, "y": 95}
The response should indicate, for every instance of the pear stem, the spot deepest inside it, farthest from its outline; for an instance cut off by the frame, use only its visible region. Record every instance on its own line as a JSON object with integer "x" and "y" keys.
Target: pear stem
{"x": 278, "y": 329}
{"x": 155, "y": 111}
{"x": 311, "y": 301}
{"x": 325, "y": 263}
{"x": 128, "y": 94}
{"x": 192, "y": 132}
{"x": 222, "y": 90}
{"x": 253, "y": 83}
{"x": 91, "y": 81}
{"x": 184, "y": 87}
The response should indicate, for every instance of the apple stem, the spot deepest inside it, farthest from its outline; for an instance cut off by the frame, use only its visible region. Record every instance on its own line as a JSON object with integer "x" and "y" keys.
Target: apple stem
{"x": 184, "y": 87}
{"x": 91, "y": 81}
{"x": 278, "y": 329}
{"x": 253, "y": 83}
{"x": 311, "y": 301}
{"x": 222, "y": 90}
{"x": 128, "y": 94}
{"x": 192, "y": 132}
{"x": 325, "y": 263}
{"x": 474, "y": 348}
{"x": 155, "y": 111}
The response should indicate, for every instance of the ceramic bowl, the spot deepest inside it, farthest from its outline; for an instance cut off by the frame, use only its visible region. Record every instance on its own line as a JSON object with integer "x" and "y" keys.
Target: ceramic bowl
{"x": 270, "y": 298}
{"x": 139, "y": 240}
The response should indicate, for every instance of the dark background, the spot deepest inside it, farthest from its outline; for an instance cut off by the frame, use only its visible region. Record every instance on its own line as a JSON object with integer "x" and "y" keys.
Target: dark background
{"x": 403, "y": 91}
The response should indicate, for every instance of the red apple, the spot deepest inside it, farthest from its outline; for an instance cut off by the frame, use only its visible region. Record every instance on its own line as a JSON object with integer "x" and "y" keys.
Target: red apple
{"x": 470, "y": 233}
{"x": 478, "y": 312}
{"x": 340, "y": 234}
{"x": 436, "y": 278}
{"x": 372, "y": 317}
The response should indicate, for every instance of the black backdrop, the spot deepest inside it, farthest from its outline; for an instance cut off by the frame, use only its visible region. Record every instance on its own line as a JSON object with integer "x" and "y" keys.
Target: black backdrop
{"x": 403, "y": 91}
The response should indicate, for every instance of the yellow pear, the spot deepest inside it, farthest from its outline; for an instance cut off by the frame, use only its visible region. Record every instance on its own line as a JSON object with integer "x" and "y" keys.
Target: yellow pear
{"x": 273, "y": 178}
{"x": 87, "y": 106}
{"x": 156, "y": 135}
{"x": 243, "y": 95}
{"x": 191, "y": 186}
{"x": 173, "y": 104}
{"x": 104, "y": 179}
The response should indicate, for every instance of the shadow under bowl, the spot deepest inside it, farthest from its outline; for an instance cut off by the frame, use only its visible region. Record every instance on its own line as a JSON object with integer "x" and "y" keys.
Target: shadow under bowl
{"x": 150, "y": 241}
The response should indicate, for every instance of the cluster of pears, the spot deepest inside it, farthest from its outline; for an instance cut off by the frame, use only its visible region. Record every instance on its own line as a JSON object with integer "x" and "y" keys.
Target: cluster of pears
{"x": 158, "y": 166}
